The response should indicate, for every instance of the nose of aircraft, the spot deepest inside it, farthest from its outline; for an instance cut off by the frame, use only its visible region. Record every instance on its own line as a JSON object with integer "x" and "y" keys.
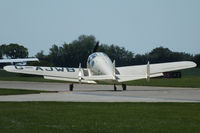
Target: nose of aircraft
{"x": 104, "y": 66}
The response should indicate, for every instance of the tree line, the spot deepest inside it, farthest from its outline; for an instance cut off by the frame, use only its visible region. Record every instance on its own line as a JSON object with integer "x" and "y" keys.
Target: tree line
{"x": 13, "y": 51}
{"x": 71, "y": 54}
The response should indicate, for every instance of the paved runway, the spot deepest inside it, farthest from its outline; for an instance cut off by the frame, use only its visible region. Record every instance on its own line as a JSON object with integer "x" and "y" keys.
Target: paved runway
{"x": 100, "y": 93}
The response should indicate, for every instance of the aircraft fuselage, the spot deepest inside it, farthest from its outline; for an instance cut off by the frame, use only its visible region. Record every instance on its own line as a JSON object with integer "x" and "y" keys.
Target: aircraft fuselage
{"x": 100, "y": 64}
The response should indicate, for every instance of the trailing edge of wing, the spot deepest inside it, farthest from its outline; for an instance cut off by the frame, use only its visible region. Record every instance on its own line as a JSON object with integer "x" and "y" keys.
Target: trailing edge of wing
{"x": 124, "y": 78}
{"x": 69, "y": 79}
{"x": 99, "y": 77}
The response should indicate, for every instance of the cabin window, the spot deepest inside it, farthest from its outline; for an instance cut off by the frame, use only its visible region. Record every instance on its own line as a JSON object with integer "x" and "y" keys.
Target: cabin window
{"x": 105, "y": 54}
{"x": 93, "y": 56}
{"x": 92, "y": 63}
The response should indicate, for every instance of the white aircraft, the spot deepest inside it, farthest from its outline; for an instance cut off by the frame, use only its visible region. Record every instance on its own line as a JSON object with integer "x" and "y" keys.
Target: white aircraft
{"x": 20, "y": 61}
{"x": 101, "y": 68}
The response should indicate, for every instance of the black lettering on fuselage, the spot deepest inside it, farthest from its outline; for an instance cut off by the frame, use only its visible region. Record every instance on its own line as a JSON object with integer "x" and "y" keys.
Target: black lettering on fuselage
{"x": 50, "y": 69}
{"x": 59, "y": 69}
{"x": 70, "y": 69}
{"x": 38, "y": 68}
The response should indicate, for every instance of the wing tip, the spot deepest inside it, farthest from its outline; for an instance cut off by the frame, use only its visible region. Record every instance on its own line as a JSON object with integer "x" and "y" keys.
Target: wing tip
{"x": 192, "y": 64}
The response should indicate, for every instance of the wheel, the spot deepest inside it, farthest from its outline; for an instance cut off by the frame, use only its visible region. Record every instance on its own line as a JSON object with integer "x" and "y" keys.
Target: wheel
{"x": 124, "y": 87}
{"x": 71, "y": 86}
{"x": 115, "y": 88}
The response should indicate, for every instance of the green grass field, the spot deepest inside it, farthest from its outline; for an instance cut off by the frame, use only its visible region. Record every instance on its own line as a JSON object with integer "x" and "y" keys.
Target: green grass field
{"x": 188, "y": 81}
{"x": 58, "y": 117}
{"x": 20, "y": 91}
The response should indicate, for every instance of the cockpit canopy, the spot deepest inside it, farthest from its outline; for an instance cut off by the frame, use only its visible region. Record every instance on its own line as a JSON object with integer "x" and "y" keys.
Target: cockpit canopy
{"x": 93, "y": 56}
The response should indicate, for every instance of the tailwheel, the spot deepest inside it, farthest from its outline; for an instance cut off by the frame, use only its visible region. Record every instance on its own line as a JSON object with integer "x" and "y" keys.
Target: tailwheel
{"x": 124, "y": 87}
{"x": 71, "y": 87}
{"x": 115, "y": 88}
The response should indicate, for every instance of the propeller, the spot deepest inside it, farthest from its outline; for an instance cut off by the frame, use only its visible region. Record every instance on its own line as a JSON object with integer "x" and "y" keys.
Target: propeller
{"x": 96, "y": 47}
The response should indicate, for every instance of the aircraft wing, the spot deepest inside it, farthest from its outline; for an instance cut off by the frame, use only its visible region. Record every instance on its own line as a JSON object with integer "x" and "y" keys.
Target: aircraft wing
{"x": 18, "y": 60}
{"x": 128, "y": 73}
{"x": 123, "y": 74}
{"x": 56, "y": 73}
{"x": 48, "y": 72}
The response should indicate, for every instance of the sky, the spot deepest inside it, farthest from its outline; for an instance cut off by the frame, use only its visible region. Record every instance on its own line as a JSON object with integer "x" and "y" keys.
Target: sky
{"x": 137, "y": 25}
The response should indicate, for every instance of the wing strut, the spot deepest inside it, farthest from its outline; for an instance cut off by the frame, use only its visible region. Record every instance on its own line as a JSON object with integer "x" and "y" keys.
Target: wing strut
{"x": 113, "y": 70}
{"x": 79, "y": 73}
{"x": 148, "y": 72}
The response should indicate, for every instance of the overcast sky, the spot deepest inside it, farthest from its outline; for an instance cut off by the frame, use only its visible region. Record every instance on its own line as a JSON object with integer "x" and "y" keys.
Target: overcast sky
{"x": 137, "y": 25}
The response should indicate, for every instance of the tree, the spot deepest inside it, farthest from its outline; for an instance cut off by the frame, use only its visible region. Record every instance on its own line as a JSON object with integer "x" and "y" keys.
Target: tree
{"x": 78, "y": 51}
{"x": 14, "y": 51}
{"x": 40, "y": 55}
{"x": 160, "y": 54}
{"x": 73, "y": 53}
{"x": 121, "y": 56}
{"x": 1, "y": 53}
{"x": 44, "y": 60}
{"x": 197, "y": 59}
{"x": 2, "y": 50}
{"x": 141, "y": 59}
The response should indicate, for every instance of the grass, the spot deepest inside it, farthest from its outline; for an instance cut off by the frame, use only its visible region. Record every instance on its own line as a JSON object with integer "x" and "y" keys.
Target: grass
{"x": 191, "y": 72}
{"x": 20, "y": 91}
{"x": 53, "y": 117}
{"x": 188, "y": 81}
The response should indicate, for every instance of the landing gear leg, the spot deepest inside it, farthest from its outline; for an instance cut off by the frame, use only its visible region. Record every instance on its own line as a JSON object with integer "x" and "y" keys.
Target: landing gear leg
{"x": 71, "y": 86}
{"x": 124, "y": 87}
{"x": 115, "y": 88}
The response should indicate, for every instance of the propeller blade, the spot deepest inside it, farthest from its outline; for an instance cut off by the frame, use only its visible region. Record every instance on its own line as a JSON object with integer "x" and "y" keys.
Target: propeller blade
{"x": 96, "y": 47}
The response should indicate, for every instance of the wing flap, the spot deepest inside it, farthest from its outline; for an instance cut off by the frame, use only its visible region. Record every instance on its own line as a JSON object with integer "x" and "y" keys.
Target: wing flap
{"x": 99, "y": 77}
{"x": 68, "y": 79}
{"x": 124, "y": 78}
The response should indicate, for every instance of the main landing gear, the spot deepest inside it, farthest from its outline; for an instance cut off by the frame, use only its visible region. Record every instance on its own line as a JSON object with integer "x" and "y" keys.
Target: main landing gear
{"x": 115, "y": 88}
{"x": 123, "y": 87}
{"x": 71, "y": 87}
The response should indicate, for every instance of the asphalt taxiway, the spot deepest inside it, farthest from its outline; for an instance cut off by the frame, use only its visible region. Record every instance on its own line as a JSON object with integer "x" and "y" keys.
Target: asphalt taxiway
{"x": 100, "y": 93}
